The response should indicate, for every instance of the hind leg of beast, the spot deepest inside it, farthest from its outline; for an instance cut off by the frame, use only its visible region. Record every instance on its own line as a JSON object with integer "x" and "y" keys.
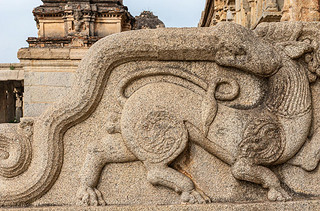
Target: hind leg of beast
{"x": 109, "y": 150}
{"x": 161, "y": 174}
{"x": 243, "y": 169}
{"x": 309, "y": 155}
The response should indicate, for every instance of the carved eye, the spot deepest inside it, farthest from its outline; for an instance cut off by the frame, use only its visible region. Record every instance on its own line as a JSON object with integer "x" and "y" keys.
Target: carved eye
{"x": 272, "y": 133}
{"x": 3, "y": 155}
{"x": 308, "y": 58}
{"x": 308, "y": 41}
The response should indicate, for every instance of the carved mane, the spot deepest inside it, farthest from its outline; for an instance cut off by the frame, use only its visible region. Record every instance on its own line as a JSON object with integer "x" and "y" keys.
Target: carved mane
{"x": 216, "y": 44}
{"x": 289, "y": 92}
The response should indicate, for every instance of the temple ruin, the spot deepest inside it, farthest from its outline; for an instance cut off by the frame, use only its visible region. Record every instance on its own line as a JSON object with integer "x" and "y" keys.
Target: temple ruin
{"x": 206, "y": 118}
{"x": 250, "y": 13}
{"x": 66, "y": 30}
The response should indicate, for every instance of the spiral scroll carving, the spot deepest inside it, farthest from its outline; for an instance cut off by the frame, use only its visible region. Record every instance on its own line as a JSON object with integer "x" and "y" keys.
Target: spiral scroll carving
{"x": 160, "y": 135}
{"x": 15, "y": 153}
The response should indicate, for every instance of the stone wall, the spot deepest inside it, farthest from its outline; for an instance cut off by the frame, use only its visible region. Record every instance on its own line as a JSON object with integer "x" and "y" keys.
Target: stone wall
{"x": 48, "y": 75}
{"x": 301, "y": 10}
{"x": 66, "y": 30}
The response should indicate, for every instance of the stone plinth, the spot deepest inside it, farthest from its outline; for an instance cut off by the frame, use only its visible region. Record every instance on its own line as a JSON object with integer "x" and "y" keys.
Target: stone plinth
{"x": 303, "y": 205}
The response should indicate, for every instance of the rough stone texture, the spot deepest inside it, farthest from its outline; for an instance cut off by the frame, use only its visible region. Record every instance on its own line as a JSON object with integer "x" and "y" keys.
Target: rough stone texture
{"x": 147, "y": 20}
{"x": 301, "y": 10}
{"x": 170, "y": 116}
{"x": 11, "y": 72}
{"x": 78, "y": 23}
{"x": 48, "y": 76}
{"x": 309, "y": 205}
{"x": 250, "y": 13}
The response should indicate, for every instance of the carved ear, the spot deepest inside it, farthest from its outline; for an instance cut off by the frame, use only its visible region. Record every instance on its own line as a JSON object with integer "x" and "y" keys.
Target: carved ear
{"x": 296, "y": 49}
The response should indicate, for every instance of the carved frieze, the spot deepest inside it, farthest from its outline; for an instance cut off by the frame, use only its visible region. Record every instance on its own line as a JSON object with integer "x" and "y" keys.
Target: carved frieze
{"x": 78, "y": 23}
{"x": 177, "y": 106}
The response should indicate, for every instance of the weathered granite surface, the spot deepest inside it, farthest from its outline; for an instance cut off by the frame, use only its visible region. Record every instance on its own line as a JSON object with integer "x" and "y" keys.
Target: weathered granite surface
{"x": 147, "y": 20}
{"x": 309, "y": 205}
{"x": 250, "y": 13}
{"x": 48, "y": 76}
{"x": 171, "y": 116}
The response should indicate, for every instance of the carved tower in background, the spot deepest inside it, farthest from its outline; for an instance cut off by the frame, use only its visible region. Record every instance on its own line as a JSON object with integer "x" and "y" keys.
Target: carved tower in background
{"x": 66, "y": 30}
{"x": 250, "y": 13}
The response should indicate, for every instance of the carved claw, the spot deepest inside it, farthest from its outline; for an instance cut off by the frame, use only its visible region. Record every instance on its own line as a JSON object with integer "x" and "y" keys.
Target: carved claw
{"x": 90, "y": 197}
{"x": 194, "y": 197}
{"x": 278, "y": 194}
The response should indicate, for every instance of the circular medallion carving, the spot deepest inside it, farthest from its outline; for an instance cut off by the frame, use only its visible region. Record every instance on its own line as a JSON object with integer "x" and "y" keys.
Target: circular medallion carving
{"x": 263, "y": 142}
{"x": 160, "y": 137}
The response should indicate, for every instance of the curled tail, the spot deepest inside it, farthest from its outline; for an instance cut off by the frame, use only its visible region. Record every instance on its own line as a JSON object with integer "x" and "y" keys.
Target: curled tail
{"x": 210, "y": 92}
{"x": 209, "y": 102}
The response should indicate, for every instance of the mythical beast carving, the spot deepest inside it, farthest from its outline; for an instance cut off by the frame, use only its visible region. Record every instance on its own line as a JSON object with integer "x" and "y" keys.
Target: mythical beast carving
{"x": 251, "y": 108}
{"x": 160, "y": 117}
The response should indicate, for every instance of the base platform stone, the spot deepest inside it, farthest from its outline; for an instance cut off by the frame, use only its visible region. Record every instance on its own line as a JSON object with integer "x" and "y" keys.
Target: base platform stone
{"x": 292, "y": 205}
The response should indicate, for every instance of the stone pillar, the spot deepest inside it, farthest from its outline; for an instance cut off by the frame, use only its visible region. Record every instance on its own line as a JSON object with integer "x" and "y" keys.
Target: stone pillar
{"x": 11, "y": 102}
{"x": 271, "y": 6}
{"x": 19, "y": 103}
{"x": 3, "y": 102}
{"x": 7, "y": 102}
{"x": 301, "y": 10}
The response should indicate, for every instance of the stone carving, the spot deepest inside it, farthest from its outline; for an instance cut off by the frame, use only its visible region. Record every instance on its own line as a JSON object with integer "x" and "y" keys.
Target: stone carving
{"x": 301, "y": 10}
{"x": 147, "y": 20}
{"x": 154, "y": 112}
{"x": 80, "y": 24}
{"x": 160, "y": 135}
{"x": 248, "y": 13}
{"x": 15, "y": 149}
{"x": 77, "y": 20}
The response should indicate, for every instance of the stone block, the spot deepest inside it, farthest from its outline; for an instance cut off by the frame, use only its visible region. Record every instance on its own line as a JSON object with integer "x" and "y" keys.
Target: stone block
{"x": 78, "y": 53}
{"x": 11, "y": 75}
{"x": 34, "y": 109}
{"x": 303, "y": 205}
{"x": 11, "y": 72}
{"x": 62, "y": 79}
{"x": 44, "y": 94}
{"x": 43, "y": 53}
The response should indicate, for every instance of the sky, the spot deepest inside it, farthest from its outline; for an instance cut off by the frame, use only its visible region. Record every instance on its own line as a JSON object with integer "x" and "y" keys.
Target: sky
{"x": 17, "y": 21}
